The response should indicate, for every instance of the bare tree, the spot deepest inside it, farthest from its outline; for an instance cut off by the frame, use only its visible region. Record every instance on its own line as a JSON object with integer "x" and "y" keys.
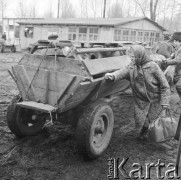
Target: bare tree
{"x": 21, "y": 10}
{"x": 3, "y": 5}
{"x": 94, "y": 7}
{"x": 49, "y": 12}
{"x": 153, "y": 8}
{"x": 58, "y": 9}
{"x": 67, "y": 9}
{"x": 32, "y": 11}
{"x": 115, "y": 11}
{"x": 84, "y": 8}
{"x": 142, "y": 5}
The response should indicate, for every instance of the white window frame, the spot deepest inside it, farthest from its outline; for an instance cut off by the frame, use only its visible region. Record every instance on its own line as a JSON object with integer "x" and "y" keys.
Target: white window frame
{"x": 94, "y": 34}
{"x": 117, "y": 34}
{"x": 132, "y": 37}
{"x": 72, "y": 33}
{"x": 125, "y": 37}
{"x": 82, "y": 36}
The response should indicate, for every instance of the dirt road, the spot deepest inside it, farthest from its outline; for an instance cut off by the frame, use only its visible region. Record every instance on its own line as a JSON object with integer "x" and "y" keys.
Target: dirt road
{"x": 53, "y": 155}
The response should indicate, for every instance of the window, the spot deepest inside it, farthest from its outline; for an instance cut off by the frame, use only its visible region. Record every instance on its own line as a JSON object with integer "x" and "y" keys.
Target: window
{"x": 28, "y": 32}
{"x": 93, "y": 34}
{"x": 146, "y": 36}
{"x": 72, "y": 33}
{"x": 82, "y": 33}
{"x": 140, "y": 36}
{"x": 53, "y": 31}
{"x": 152, "y": 38}
{"x": 125, "y": 35}
{"x": 157, "y": 37}
{"x": 133, "y": 36}
{"x": 11, "y": 27}
{"x": 117, "y": 34}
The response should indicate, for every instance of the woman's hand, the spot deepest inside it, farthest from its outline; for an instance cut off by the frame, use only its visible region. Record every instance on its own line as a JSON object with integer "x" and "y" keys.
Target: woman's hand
{"x": 109, "y": 76}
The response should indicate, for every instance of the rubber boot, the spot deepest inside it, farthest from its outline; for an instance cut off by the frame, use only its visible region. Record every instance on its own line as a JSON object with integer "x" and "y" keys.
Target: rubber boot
{"x": 143, "y": 133}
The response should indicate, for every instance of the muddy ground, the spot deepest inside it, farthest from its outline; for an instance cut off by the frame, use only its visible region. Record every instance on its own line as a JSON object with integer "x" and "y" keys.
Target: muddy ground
{"x": 53, "y": 155}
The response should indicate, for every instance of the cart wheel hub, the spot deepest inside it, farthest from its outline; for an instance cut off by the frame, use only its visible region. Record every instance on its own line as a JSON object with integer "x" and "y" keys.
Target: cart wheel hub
{"x": 99, "y": 132}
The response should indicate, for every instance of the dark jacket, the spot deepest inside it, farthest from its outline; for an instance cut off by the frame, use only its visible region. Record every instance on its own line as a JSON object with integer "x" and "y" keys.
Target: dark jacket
{"x": 176, "y": 61}
{"x": 3, "y": 37}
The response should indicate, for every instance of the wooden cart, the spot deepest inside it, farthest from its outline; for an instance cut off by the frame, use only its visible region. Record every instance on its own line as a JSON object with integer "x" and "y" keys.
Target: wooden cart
{"x": 50, "y": 86}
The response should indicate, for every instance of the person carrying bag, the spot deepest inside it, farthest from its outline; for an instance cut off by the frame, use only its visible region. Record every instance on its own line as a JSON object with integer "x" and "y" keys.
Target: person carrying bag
{"x": 151, "y": 91}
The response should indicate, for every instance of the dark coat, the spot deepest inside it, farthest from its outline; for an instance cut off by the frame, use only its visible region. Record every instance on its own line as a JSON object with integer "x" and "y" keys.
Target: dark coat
{"x": 164, "y": 48}
{"x": 156, "y": 84}
{"x": 177, "y": 62}
{"x": 158, "y": 92}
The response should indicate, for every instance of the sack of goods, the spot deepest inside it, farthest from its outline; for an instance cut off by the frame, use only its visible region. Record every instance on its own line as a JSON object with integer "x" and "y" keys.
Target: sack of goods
{"x": 163, "y": 128}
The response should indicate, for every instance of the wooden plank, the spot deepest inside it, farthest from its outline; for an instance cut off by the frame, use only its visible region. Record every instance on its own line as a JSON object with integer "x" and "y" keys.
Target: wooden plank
{"x": 51, "y": 99}
{"x": 79, "y": 95}
{"x": 94, "y": 50}
{"x": 103, "y": 65}
{"x": 69, "y": 93}
{"x": 58, "y": 81}
{"x": 22, "y": 75}
{"x": 37, "y": 106}
{"x": 66, "y": 65}
{"x": 47, "y": 80}
{"x": 20, "y": 85}
{"x": 106, "y": 89}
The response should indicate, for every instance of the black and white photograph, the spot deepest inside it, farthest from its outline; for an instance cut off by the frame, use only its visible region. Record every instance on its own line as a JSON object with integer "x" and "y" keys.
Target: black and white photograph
{"x": 90, "y": 89}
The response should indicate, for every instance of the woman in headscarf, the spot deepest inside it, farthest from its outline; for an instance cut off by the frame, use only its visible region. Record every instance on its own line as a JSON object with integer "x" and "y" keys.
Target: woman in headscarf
{"x": 150, "y": 88}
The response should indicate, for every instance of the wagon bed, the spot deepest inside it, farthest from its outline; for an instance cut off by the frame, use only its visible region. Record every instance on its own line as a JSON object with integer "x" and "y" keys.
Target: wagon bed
{"x": 67, "y": 82}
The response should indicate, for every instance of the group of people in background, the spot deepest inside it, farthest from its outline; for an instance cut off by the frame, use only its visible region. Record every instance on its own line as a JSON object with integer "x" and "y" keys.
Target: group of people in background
{"x": 149, "y": 85}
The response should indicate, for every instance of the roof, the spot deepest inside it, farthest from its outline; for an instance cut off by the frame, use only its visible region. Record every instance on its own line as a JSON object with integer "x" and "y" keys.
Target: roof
{"x": 88, "y": 21}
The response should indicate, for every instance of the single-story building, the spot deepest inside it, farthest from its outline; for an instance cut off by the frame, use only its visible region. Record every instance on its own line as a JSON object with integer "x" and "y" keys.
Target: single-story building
{"x": 12, "y": 29}
{"x": 104, "y": 30}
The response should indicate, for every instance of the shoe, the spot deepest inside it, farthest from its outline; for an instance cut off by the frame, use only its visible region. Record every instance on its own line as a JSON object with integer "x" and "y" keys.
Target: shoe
{"x": 143, "y": 134}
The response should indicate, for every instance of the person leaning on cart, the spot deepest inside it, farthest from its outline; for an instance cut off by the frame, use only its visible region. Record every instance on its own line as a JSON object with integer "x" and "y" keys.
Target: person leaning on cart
{"x": 150, "y": 88}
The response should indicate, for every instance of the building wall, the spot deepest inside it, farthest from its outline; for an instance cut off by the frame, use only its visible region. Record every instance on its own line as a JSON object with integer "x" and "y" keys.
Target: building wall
{"x": 143, "y": 31}
{"x": 142, "y": 24}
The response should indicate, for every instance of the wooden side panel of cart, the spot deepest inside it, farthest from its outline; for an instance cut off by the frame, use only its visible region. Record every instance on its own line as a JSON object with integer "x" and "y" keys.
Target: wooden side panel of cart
{"x": 97, "y": 88}
{"x": 66, "y": 83}
{"x": 46, "y": 81}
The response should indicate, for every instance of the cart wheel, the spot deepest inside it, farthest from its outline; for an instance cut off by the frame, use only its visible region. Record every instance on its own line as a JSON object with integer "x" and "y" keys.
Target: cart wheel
{"x": 94, "y": 129}
{"x": 13, "y": 49}
{"x": 23, "y": 122}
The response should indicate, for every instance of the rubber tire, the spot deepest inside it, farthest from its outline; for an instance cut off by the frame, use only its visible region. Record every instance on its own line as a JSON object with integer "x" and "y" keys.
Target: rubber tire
{"x": 83, "y": 130}
{"x": 13, "y": 117}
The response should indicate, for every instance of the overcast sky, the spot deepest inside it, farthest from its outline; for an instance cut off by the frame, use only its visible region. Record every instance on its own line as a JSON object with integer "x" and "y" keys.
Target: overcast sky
{"x": 42, "y": 6}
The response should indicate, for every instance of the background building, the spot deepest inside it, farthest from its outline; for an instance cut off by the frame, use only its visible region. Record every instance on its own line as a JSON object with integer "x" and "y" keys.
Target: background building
{"x": 91, "y": 30}
{"x": 12, "y": 29}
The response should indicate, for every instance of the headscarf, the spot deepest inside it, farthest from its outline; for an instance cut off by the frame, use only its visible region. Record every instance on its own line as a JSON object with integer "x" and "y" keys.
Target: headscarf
{"x": 141, "y": 58}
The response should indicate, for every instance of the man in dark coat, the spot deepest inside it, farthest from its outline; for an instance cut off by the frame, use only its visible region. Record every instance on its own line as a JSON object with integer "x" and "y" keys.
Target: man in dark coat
{"x": 4, "y": 36}
{"x": 176, "y": 40}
